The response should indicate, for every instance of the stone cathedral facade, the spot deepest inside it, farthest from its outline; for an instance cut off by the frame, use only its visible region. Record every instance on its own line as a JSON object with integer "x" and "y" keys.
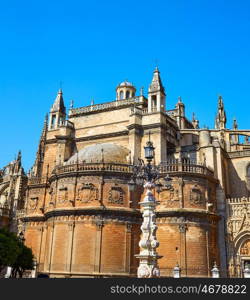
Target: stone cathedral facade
{"x": 79, "y": 215}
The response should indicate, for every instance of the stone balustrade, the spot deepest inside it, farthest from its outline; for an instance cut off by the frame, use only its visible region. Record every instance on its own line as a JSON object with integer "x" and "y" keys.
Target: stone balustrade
{"x": 174, "y": 166}
{"x": 66, "y": 123}
{"x": 168, "y": 167}
{"x": 103, "y": 106}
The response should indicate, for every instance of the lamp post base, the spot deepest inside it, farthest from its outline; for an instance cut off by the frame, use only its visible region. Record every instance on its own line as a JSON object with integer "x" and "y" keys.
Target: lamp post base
{"x": 148, "y": 267}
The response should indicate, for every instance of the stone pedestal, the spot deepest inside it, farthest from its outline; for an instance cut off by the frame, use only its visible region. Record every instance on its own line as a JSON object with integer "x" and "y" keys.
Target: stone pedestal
{"x": 148, "y": 266}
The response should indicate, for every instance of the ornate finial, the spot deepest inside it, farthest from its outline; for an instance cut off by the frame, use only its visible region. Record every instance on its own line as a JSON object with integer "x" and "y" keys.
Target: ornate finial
{"x": 141, "y": 91}
{"x": 92, "y": 102}
{"x": 220, "y": 101}
{"x": 179, "y": 99}
{"x": 193, "y": 117}
{"x": 156, "y": 65}
{"x": 19, "y": 155}
{"x": 60, "y": 84}
{"x": 235, "y": 125}
{"x": 71, "y": 104}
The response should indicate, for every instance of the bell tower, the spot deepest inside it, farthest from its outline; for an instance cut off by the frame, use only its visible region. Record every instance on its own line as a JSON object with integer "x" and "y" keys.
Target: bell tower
{"x": 156, "y": 93}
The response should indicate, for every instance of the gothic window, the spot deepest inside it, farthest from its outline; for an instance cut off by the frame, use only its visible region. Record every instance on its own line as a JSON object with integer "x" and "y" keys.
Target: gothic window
{"x": 153, "y": 101}
{"x": 53, "y": 121}
{"x": 121, "y": 95}
{"x": 127, "y": 94}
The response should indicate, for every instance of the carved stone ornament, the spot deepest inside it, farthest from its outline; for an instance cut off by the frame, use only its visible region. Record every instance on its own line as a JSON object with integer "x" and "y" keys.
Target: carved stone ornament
{"x": 116, "y": 195}
{"x": 143, "y": 271}
{"x": 182, "y": 227}
{"x": 87, "y": 193}
{"x": 33, "y": 202}
{"x": 169, "y": 197}
{"x": 245, "y": 248}
{"x": 62, "y": 194}
{"x": 196, "y": 196}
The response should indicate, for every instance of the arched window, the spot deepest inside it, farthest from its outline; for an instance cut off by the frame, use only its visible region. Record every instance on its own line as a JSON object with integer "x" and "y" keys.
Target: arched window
{"x": 127, "y": 94}
{"x": 53, "y": 121}
{"x": 121, "y": 95}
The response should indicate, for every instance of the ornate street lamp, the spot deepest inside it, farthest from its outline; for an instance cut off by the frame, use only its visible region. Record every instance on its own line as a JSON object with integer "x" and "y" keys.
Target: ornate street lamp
{"x": 146, "y": 175}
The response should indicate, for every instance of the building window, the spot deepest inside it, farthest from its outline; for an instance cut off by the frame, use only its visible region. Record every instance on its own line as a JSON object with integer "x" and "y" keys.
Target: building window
{"x": 154, "y": 101}
{"x": 53, "y": 121}
{"x": 127, "y": 94}
{"x": 121, "y": 95}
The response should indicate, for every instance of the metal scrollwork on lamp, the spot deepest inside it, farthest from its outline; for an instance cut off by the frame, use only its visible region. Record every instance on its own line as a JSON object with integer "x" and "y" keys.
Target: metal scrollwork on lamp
{"x": 148, "y": 175}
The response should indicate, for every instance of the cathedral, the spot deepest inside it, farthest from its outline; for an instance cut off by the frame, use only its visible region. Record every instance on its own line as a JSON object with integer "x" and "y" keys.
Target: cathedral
{"x": 79, "y": 215}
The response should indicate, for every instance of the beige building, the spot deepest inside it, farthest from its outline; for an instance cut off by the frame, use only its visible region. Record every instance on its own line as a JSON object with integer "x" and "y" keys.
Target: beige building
{"x": 81, "y": 219}
{"x": 13, "y": 183}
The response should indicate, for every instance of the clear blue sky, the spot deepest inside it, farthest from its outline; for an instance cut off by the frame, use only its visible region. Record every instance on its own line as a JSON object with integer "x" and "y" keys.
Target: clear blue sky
{"x": 202, "y": 48}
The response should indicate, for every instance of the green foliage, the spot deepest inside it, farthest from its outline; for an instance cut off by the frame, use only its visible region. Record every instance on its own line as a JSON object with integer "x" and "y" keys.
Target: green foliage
{"x": 24, "y": 261}
{"x": 9, "y": 248}
{"x": 14, "y": 253}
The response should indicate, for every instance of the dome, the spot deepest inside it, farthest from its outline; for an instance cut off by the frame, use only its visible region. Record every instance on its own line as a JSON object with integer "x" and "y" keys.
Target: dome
{"x": 126, "y": 83}
{"x": 109, "y": 152}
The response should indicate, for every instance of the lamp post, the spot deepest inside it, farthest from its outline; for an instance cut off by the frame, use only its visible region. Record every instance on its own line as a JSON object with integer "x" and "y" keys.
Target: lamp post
{"x": 215, "y": 271}
{"x": 147, "y": 174}
{"x": 177, "y": 271}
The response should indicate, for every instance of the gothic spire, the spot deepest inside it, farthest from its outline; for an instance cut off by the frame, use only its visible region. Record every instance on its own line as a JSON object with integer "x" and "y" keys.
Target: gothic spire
{"x": 156, "y": 84}
{"x": 45, "y": 126}
{"x": 58, "y": 105}
{"x": 220, "y": 120}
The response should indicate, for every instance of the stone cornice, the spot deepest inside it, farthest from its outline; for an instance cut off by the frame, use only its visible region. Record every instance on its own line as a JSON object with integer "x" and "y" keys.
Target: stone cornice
{"x": 124, "y": 214}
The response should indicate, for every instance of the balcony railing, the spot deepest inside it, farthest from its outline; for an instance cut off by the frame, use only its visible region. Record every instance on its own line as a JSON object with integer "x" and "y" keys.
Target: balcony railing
{"x": 173, "y": 166}
{"x": 93, "y": 167}
{"x": 170, "y": 167}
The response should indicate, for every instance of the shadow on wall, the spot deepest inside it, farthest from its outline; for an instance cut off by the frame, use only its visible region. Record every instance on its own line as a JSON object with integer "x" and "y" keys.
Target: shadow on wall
{"x": 237, "y": 186}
